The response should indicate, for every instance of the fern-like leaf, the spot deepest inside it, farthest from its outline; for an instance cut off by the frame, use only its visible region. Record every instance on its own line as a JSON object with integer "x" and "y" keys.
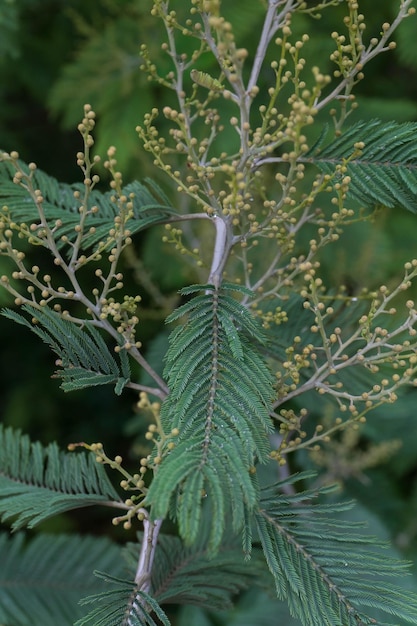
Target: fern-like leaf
{"x": 385, "y": 170}
{"x": 124, "y": 605}
{"x": 86, "y": 360}
{"x": 37, "y": 482}
{"x": 191, "y": 575}
{"x": 42, "y": 581}
{"x": 149, "y": 206}
{"x": 325, "y": 570}
{"x": 220, "y": 390}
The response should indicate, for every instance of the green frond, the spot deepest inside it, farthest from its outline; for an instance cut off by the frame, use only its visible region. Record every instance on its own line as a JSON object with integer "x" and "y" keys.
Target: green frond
{"x": 124, "y": 605}
{"x": 193, "y": 576}
{"x": 385, "y": 170}
{"x": 150, "y": 206}
{"x": 220, "y": 390}
{"x": 326, "y": 570}
{"x": 38, "y": 584}
{"x": 37, "y": 482}
{"x": 86, "y": 360}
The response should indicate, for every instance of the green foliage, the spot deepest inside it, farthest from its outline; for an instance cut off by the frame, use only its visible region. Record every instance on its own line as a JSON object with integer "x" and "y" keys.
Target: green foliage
{"x": 177, "y": 565}
{"x": 125, "y": 605}
{"x": 327, "y": 584}
{"x": 220, "y": 391}
{"x": 149, "y": 206}
{"x": 84, "y": 357}
{"x": 269, "y": 368}
{"x": 37, "y": 581}
{"x": 382, "y": 166}
{"x": 37, "y": 482}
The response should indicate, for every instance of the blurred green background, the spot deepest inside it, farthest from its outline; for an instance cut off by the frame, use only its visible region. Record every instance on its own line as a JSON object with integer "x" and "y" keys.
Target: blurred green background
{"x": 56, "y": 55}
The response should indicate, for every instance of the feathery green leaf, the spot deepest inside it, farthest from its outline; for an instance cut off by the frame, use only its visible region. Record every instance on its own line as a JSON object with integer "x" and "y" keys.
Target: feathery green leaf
{"x": 384, "y": 172}
{"x": 38, "y": 584}
{"x": 220, "y": 390}
{"x": 124, "y": 605}
{"x": 37, "y": 482}
{"x": 327, "y": 571}
{"x": 190, "y": 576}
{"x": 86, "y": 360}
{"x": 150, "y": 206}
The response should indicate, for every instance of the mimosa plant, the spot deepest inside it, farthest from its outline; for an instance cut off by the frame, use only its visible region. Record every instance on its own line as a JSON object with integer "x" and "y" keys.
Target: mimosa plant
{"x": 264, "y": 180}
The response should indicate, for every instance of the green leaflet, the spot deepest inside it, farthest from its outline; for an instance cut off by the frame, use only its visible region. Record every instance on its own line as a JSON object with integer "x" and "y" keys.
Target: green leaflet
{"x": 188, "y": 576}
{"x": 385, "y": 172}
{"x": 191, "y": 575}
{"x": 37, "y": 581}
{"x": 45, "y": 590}
{"x": 150, "y": 206}
{"x": 325, "y": 570}
{"x": 37, "y": 482}
{"x": 220, "y": 392}
{"x": 86, "y": 360}
{"x": 124, "y": 605}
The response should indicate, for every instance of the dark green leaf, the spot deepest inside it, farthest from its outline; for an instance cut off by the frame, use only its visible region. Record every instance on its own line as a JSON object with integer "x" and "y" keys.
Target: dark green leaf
{"x": 41, "y": 582}
{"x": 326, "y": 570}
{"x": 220, "y": 390}
{"x": 123, "y": 605}
{"x": 385, "y": 171}
{"x": 150, "y": 206}
{"x": 189, "y": 575}
{"x": 86, "y": 360}
{"x": 37, "y": 482}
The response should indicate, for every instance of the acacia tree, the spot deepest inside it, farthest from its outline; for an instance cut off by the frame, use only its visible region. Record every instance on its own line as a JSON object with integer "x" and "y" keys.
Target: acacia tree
{"x": 264, "y": 184}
